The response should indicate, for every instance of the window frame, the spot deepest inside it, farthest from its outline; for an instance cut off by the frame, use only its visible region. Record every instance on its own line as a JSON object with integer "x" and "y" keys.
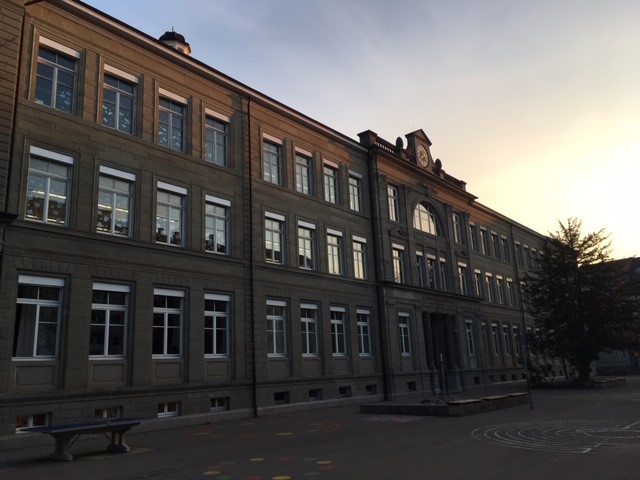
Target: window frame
{"x": 363, "y": 323}
{"x": 272, "y": 160}
{"x": 355, "y": 191}
{"x": 109, "y": 308}
{"x": 309, "y": 330}
{"x": 393, "y": 203}
{"x": 212, "y": 350}
{"x": 331, "y": 183}
{"x": 398, "y": 259}
{"x": 337, "y": 316}
{"x": 306, "y": 246}
{"x": 212, "y": 220}
{"x": 359, "y": 251}
{"x": 278, "y": 335}
{"x": 270, "y": 234}
{"x": 470, "y": 336}
{"x": 115, "y": 203}
{"x": 404, "y": 333}
{"x": 53, "y": 160}
{"x": 216, "y": 127}
{"x": 172, "y": 191}
{"x": 425, "y": 220}
{"x": 335, "y": 249}
{"x": 166, "y": 327}
{"x": 58, "y": 69}
{"x": 174, "y": 119}
{"x": 39, "y": 321}
{"x": 125, "y": 78}
{"x": 304, "y": 171}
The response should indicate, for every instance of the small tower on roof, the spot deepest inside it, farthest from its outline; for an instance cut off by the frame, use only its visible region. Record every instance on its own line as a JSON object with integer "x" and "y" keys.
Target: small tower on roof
{"x": 175, "y": 40}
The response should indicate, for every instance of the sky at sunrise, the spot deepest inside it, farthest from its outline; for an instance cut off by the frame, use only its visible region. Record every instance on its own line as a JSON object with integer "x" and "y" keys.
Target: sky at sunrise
{"x": 535, "y": 104}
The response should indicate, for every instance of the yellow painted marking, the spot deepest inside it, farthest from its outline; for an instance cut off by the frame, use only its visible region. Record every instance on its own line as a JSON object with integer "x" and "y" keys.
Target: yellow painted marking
{"x": 323, "y": 462}
{"x": 257, "y": 459}
{"x": 281, "y": 477}
{"x": 282, "y": 434}
{"x": 212, "y": 472}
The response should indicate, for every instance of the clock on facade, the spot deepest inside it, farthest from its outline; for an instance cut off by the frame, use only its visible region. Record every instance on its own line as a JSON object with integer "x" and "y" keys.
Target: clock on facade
{"x": 423, "y": 156}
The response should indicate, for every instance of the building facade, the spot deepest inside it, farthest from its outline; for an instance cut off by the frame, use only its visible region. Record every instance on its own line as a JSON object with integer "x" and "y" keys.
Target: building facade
{"x": 175, "y": 243}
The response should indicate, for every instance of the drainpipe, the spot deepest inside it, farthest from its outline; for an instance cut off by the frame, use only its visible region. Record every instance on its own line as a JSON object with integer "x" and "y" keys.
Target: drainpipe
{"x": 252, "y": 311}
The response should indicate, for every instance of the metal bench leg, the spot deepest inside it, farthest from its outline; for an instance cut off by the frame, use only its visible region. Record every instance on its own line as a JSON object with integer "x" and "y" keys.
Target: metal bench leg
{"x": 120, "y": 446}
{"x": 62, "y": 448}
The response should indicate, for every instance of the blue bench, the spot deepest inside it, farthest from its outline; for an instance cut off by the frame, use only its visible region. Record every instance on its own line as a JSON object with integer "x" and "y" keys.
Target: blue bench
{"x": 67, "y": 434}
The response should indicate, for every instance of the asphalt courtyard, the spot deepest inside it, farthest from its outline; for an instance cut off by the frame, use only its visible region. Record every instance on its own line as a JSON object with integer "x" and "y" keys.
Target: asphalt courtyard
{"x": 569, "y": 434}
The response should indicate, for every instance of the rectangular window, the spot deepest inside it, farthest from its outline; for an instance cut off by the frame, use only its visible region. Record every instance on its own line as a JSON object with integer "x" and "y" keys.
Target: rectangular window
{"x": 506, "y": 333}
{"x": 216, "y": 225}
{"x": 471, "y": 345}
{"x": 457, "y": 228}
{"x": 108, "y": 412}
{"x": 219, "y": 404}
{"x": 527, "y": 257}
{"x": 273, "y": 236}
{"x": 48, "y": 187}
{"x": 272, "y": 157}
{"x": 364, "y": 332}
{"x": 506, "y": 253}
{"x": 420, "y": 264}
{"x": 306, "y": 246}
{"x": 392, "y": 195}
{"x": 442, "y": 266}
{"x": 511, "y": 293}
{"x": 495, "y": 244}
{"x": 495, "y": 334}
{"x": 405, "y": 334}
{"x": 477, "y": 283}
{"x": 108, "y": 320}
{"x": 115, "y": 199}
{"x": 29, "y": 421}
{"x": 462, "y": 278}
{"x": 519, "y": 257}
{"x": 170, "y": 209}
{"x": 276, "y": 324}
{"x": 216, "y": 131}
{"x": 167, "y": 322}
{"x": 334, "y": 252}
{"x": 167, "y": 409}
{"x": 216, "y": 324}
{"x": 303, "y": 173}
{"x": 397, "y": 254}
{"x": 330, "y": 175}
{"x": 473, "y": 237}
{"x": 502, "y": 297}
{"x": 171, "y": 123}
{"x": 118, "y": 103}
{"x": 485, "y": 338}
{"x": 56, "y": 77}
{"x": 338, "y": 333}
{"x": 517, "y": 340}
{"x": 488, "y": 287}
{"x": 431, "y": 272}
{"x": 359, "y": 246}
{"x": 309, "y": 329}
{"x": 355, "y": 192}
{"x": 38, "y": 311}
{"x": 484, "y": 241}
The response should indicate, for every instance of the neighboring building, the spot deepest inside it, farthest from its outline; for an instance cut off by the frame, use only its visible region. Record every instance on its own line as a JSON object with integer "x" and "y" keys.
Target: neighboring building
{"x": 174, "y": 242}
{"x": 627, "y": 361}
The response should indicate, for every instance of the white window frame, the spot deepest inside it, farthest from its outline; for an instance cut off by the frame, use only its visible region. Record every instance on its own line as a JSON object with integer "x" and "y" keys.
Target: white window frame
{"x": 274, "y": 237}
{"x": 462, "y": 278}
{"x": 306, "y": 245}
{"x": 215, "y": 217}
{"x": 309, "y": 330}
{"x": 168, "y": 409}
{"x": 471, "y": 343}
{"x": 398, "y": 263}
{"x": 166, "y": 327}
{"x": 355, "y": 191}
{"x": 52, "y": 159}
{"x": 218, "y": 318}
{"x": 334, "y": 252}
{"x": 338, "y": 331}
{"x": 330, "y": 175}
{"x": 120, "y": 93}
{"x": 164, "y": 223}
{"x": 359, "y": 248}
{"x": 39, "y": 324}
{"x": 272, "y": 154}
{"x": 173, "y": 119}
{"x": 393, "y": 203}
{"x": 404, "y": 333}
{"x": 109, "y": 308}
{"x": 115, "y": 204}
{"x": 57, "y": 69}
{"x": 304, "y": 162}
{"x": 277, "y": 328}
{"x": 364, "y": 332}
{"x": 216, "y": 135}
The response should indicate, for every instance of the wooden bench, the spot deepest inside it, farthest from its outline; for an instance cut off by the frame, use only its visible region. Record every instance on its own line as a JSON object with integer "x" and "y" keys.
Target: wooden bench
{"x": 67, "y": 434}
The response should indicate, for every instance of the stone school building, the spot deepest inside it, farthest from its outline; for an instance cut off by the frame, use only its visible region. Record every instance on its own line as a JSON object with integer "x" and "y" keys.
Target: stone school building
{"x": 174, "y": 243}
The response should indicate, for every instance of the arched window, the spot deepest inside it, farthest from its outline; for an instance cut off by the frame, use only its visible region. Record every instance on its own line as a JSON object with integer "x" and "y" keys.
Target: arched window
{"x": 425, "y": 220}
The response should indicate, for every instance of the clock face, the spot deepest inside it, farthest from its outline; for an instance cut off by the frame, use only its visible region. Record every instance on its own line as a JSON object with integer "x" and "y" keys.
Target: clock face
{"x": 423, "y": 157}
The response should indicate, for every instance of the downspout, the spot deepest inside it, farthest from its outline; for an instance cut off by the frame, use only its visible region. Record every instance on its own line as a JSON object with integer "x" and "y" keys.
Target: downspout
{"x": 379, "y": 272}
{"x": 523, "y": 326}
{"x": 254, "y": 360}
